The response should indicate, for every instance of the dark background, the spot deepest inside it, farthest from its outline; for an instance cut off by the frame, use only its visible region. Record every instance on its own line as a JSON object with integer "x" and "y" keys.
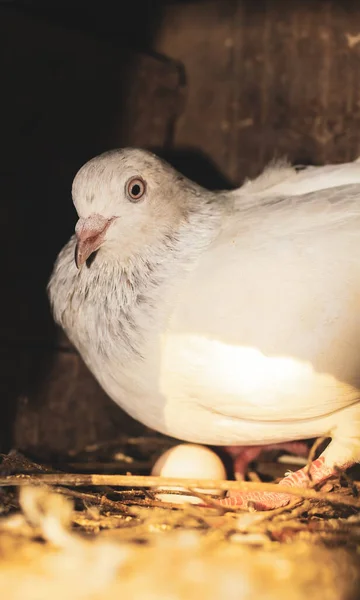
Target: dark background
{"x": 218, "y": 88}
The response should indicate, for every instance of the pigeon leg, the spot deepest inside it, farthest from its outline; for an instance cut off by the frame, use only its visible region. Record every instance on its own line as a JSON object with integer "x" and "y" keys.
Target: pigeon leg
{"x": 337, "y": 456}
{"x": 243, "y": 455}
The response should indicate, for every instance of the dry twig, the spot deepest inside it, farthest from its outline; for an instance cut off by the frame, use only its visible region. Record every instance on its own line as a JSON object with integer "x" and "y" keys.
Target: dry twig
{"x": 71, "y": 479}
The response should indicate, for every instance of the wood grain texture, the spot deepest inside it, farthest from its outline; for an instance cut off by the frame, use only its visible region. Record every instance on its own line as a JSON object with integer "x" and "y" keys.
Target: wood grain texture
{"x": 267, "y": 79}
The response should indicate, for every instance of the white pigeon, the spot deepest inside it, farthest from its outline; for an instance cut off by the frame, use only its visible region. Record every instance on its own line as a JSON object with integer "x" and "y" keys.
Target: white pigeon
{"x": 222, "y": 318}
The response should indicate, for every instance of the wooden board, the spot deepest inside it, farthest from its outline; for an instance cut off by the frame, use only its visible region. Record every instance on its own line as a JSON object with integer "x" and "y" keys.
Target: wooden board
{"x": 267, "y": 78}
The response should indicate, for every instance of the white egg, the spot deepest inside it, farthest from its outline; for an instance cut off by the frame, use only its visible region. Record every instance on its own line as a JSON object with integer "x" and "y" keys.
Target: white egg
{"x": 188, "y": 460}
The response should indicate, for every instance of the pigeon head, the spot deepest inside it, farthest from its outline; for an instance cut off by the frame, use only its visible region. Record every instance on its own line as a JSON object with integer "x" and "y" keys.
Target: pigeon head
{"x": 126, "y": 199}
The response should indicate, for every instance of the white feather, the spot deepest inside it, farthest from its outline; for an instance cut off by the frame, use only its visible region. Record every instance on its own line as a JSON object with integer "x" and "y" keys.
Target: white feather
{"x": 249, "y": 331}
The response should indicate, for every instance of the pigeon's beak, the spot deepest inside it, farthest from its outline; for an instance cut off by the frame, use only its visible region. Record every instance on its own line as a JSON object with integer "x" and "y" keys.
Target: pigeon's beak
{"x": 90, "y": 234}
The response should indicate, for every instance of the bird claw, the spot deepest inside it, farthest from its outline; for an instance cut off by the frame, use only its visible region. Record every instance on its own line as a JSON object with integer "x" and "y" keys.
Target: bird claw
{"x": 257, "y": 500}
{"x": 318, "y": 473}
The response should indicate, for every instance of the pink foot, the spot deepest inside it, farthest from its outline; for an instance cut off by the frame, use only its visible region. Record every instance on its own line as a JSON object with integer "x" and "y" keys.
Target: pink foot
{"x": 257, "y": 500}
{"x": 243, "y": 455}
{"x": 268, "y": 500}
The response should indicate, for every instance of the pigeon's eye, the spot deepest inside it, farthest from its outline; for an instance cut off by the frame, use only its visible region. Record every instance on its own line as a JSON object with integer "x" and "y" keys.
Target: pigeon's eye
{"x": 135, "y": 189}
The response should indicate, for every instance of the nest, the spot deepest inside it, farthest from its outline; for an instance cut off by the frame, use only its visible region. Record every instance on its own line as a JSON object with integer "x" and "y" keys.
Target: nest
{"x": 68, "y": 532}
